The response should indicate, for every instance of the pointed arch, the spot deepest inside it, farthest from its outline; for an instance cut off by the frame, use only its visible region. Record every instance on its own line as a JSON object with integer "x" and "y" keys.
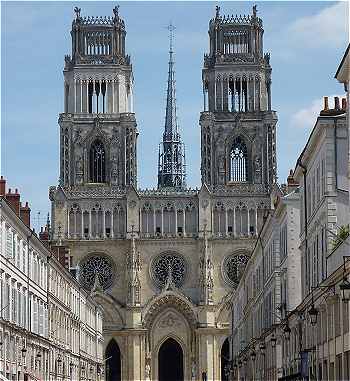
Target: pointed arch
{"x": 97, "y": 158}
{"x": 113, "y": 361}
{"x": 170, "y": 361}
{"x": 225, "y": 360}
{"x": 238, "y": 161}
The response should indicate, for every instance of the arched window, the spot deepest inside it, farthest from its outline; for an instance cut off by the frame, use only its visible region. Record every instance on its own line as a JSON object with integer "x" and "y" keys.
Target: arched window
{"x": 97, "y": 162}
{"x": 238, "y": 159}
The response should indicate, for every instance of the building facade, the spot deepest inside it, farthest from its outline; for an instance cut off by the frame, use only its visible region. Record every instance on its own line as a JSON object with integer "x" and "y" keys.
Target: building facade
{"x": 46, "y": 332}
{"x": 290, "y": 310}
{"x": 163, "y": 264}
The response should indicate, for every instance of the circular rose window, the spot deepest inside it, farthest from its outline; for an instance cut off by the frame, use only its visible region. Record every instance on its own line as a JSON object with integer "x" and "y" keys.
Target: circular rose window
{"x": 160, "y": 269}
{"x": 233, "y": 268}
{"x": 97, "y": 265}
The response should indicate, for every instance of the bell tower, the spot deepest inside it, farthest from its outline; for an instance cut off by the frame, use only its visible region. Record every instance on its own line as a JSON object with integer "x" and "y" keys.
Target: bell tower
{"x": 238, "y": 126}
{"x": 98, "y": 128}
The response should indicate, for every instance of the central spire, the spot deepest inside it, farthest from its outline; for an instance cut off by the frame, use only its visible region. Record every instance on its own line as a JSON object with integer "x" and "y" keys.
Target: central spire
{"x": 170, "y": 114}
{"x": 171, "y": 163}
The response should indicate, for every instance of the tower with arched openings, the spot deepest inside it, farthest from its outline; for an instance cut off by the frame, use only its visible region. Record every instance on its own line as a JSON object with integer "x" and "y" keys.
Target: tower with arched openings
{"x": 163, "y": 263}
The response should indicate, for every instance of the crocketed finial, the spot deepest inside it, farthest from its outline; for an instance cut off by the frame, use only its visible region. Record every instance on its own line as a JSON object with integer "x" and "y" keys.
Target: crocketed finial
{"x": 254, "y": 10}
{"x": 116, "y": 11}
{"x": 77, "y": 12}
{"x": 217, "y": 12}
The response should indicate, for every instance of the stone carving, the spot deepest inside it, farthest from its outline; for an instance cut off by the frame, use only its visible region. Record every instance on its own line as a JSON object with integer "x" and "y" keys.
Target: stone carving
{"x": 233, "y": 267}
{"x": 257, "y": 169}
{"x": 221, "y": 170}
{"x": 114, "y": 170}
{"x": 169, "y": 321}
{"x": 160, "y": 269}
{"x": 97, "y": 265}
{"x": 133, "y": 265}
{"x": 206, "y": 274}
{"x": 79, "y": 170}
{"x": 148, "y": 371}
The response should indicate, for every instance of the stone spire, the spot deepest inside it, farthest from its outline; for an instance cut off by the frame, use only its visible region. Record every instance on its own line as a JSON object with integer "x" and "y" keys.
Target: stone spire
{"x": 171, "y": 163}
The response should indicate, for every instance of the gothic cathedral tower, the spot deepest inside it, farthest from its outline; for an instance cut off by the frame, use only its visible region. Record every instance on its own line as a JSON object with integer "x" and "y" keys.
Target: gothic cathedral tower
{"x": 238, "y": 127}
{"x": 98, "y": 129}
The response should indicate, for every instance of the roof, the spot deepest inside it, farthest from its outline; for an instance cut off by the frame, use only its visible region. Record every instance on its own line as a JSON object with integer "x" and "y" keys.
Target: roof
{"x": 343, "y": 72}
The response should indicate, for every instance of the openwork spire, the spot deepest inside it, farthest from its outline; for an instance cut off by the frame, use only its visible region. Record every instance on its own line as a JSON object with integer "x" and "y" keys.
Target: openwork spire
{"x": 170, "y": 114}
{"x": 171, "y": 163}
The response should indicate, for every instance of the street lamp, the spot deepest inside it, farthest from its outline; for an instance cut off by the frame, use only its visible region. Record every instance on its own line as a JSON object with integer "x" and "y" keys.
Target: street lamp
{"x": 345, "y": 285}
{"x": 313, "y": 312}
{"x": 287, "y": 332}
{"x": 262, "y": 348}
{"x": 253, "y": 355}
{"x": 273, "y": 341}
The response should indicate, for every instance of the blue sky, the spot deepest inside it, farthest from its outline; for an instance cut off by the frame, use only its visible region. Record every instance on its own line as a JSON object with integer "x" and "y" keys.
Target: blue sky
{"x": 306, "y": 41}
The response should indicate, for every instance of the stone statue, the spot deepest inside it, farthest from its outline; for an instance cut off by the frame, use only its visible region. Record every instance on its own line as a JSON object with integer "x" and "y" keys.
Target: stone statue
{"x": 257, "y": 168}
{"x": 148, "y": 371}
{"x": 114, "y": 170}
{"x": 221, "y": 169}
{"x": 193, "y": 370}
{"x": 79, "y": 170}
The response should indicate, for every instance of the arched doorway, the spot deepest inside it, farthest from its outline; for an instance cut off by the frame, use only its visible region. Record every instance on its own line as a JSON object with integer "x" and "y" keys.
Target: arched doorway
{"x": 170, "y": 361}
{"x": 225, "y": 360}
{"x": 113, "y": 362}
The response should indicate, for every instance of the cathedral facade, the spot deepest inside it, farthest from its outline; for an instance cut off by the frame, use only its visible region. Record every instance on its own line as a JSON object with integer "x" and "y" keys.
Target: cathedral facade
{"x": 163, "y": 264}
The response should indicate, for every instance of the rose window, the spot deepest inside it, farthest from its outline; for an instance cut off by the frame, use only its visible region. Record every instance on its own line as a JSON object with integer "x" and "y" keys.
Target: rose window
{"x": 160, "y": 269}
{"x": 99, "y": 265}
{"x": 233, "y": 268}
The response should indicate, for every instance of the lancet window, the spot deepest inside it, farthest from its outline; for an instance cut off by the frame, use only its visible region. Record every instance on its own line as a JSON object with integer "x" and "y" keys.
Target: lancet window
{"x": 238, "y": 160}
{"x": 97, "y": 162}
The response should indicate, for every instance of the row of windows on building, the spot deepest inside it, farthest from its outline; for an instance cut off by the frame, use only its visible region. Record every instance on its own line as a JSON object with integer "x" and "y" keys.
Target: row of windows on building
{"x": 15, "y": 249}
{"x": 21, "y": 308}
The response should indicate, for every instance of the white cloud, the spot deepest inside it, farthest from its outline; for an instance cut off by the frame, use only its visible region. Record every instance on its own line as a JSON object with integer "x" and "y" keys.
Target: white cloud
{"x": 327, "y": 28}
{"x": 306, "y": 117}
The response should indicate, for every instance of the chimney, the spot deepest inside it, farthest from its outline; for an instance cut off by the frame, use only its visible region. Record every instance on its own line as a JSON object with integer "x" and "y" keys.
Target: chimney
{"x": 2, "y": 186}
{"x": 325, "y": 104}
{"x": 336, "y": 103}
{"x": 25, "y": 214}
{"x": 14, "y": 201}
{"x": 343, "y": 103}
{"x": 44, "y": 234}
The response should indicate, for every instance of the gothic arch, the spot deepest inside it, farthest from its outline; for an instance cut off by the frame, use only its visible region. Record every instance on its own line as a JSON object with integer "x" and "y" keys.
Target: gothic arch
{"x": 113, "y": 361}
{"x": 97, "y": 162}
{"x": 169, "y": 299}
{"x": 111, "y": 309}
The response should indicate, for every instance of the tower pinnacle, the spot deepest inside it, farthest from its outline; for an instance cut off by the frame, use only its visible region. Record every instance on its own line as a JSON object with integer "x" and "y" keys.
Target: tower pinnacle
{"x": 171, "y": 163}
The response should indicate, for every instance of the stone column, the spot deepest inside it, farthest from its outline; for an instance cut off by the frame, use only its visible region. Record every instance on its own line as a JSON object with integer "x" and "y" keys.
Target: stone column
{"x": 234, "y": 222}
{"x": 184, "y": 220}
{"x": 75, "y": 225}
{"x": 254, "y": 93}
{"x": 175, "y": 221}
{"x": 162, "y": 221}
{"x": 103, "y": 223}
{"x": 90, "y": 225}
{"x": 226, "y": 221}
{"x": 248, "y": 220}
{"x": 112, "y": 223}
{"x": 82, "y": 224}
{"x": 68, "y": 234}
{"x": 113, "y": 91}
{"x": 234, "y": 95}
{"x": 247, "y": 93}
{"x": 154, "y": 221}
{"x": 256, "y": 221}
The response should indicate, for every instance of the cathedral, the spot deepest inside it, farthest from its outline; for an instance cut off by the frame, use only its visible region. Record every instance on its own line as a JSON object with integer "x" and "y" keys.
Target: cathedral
{"x": 164, "y": 263}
